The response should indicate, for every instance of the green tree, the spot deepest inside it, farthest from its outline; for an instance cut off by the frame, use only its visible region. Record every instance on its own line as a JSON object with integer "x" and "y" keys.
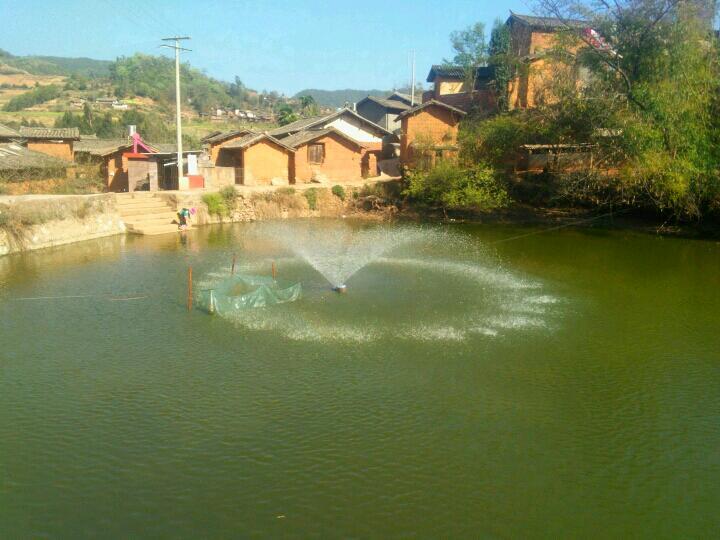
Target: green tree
{"x": 285, "y": 115}
{"x": 501, "y": 59}
{"x": 39, "y": 94}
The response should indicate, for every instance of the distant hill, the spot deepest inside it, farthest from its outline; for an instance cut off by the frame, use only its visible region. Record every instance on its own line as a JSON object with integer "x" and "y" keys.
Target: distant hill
{"x": 154, "y": 77}
{"x": 55, "y": 65}
{"x": 338, "y": 98}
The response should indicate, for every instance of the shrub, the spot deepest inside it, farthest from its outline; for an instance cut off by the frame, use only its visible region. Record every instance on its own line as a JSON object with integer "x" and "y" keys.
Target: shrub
{"x": 451, "y": 186}
{"x": 216, "y": 204}
{"x": 339, "y": 192}
{"x": 312, "y": 198}
{"x": 286, "y": 191}
{"x": 229, "y": 195}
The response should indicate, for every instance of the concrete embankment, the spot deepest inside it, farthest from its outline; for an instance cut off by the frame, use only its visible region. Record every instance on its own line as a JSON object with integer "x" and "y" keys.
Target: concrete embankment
{"x": 31, "y": 222}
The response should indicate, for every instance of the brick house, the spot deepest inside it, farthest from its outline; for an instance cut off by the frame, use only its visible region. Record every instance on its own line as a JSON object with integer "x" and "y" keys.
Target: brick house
{"x": 214, "y": 143}
{"x": 108, "y": 155}
{"x": 429, "y": 127}
{"x": 57, "y": 142}
{"x": 451, "y": 85}
{"x": 258, "y": 159}
{"x": 358, "y": 128}
{"x": 531, "y": 40}
{"x": 19, "y": 164}
{"x": 328, "y": 155}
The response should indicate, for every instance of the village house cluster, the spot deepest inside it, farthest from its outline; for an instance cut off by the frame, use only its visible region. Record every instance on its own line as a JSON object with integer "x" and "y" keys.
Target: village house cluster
{"x": 376, "y": 136}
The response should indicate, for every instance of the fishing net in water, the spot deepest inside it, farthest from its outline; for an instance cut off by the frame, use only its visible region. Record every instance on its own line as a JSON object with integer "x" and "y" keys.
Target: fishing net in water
{"x": 241, "y": 292}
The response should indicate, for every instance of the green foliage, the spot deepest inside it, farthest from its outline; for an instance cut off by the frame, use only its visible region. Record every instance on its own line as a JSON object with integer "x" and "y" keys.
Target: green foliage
{"x": 312, "y": 198}
{"x": 285, "y": 191}
{"x": 216, "y": 204}
{"x": 501, "y": 59}
{"x": 453, "y": 187}
{"x": 229, "y": 195}
{"x": 154, "y": 77}
{"x": 339, "y": 192}
{"x": 470, "y": 46}
{"x": 151, "y": 126}
{"x": 285, "y": 115}
{"x": 650, "y": 112}
{"x": 39, "y": 94}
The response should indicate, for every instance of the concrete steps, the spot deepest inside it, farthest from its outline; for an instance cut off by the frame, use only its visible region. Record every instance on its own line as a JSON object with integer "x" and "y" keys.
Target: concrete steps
{"x": 144, "y": 213}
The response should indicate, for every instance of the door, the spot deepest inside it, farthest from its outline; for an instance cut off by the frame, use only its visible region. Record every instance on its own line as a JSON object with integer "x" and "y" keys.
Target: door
{"x": 239, "y": 176}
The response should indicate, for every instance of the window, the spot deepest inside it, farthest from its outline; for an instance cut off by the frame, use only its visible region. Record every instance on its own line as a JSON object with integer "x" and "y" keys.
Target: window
{"x": 316, "y": 153}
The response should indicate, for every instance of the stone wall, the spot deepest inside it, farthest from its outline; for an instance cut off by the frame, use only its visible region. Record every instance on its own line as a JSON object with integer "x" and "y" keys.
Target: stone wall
{"x": 32, "y": 222}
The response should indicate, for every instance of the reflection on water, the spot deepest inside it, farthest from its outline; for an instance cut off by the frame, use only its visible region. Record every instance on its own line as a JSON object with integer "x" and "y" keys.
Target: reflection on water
{"x": 561, "y": 385}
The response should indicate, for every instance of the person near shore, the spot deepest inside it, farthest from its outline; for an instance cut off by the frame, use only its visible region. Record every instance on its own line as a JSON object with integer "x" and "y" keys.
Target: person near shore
{"x": 184, "y": 217}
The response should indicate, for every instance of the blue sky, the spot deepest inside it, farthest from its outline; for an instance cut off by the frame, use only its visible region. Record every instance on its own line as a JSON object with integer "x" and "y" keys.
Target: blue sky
{"x": 279, "y": 45}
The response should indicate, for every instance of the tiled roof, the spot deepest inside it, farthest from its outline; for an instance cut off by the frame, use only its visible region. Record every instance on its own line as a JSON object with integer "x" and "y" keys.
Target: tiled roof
{"x": 169, "y": 148}
{"x": 303, "y": 137}
{"x": 547, "y": 23}
{"x": 219, "y": 137}
{"x": 387, "y": 103}
{"x": 210, "y": 135}
{"x": 458, "y": 72}
{"x": 50, "y": 133}
{"x": 16, "y": 157}
{"x": 8, "y": 132}
{"x": 422, "y": 106}
{"x": 320, "y": 121}
{"x": 298, "y": 125}
{"x": 405, "y": 98}
{"x": 100, "y": 147}
{"x": 254, "y": 137}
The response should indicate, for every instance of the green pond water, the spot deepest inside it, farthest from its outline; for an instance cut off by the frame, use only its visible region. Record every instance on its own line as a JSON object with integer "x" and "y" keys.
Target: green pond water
{"x": 485, "y": 383}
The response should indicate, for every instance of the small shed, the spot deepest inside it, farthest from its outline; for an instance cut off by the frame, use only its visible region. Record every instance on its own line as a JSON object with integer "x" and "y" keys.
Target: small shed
{"x": 107, "y": 154}
{"x": 57, "y": 142}
{"x": 258, "y": 159}
{"x": 19, "y": 164}
{"x": 328, "y": 155}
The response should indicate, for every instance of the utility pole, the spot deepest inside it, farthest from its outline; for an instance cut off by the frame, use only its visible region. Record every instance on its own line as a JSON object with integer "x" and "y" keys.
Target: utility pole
{"x": 412, "y": 81}
{"x": 182, "y": 181}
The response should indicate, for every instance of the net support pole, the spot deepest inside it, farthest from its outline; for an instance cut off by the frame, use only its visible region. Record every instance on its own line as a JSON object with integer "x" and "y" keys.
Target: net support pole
{"x": 232, "y": 270}
{"x": 189, "y": 289}
{"x": 274, "y": 270}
